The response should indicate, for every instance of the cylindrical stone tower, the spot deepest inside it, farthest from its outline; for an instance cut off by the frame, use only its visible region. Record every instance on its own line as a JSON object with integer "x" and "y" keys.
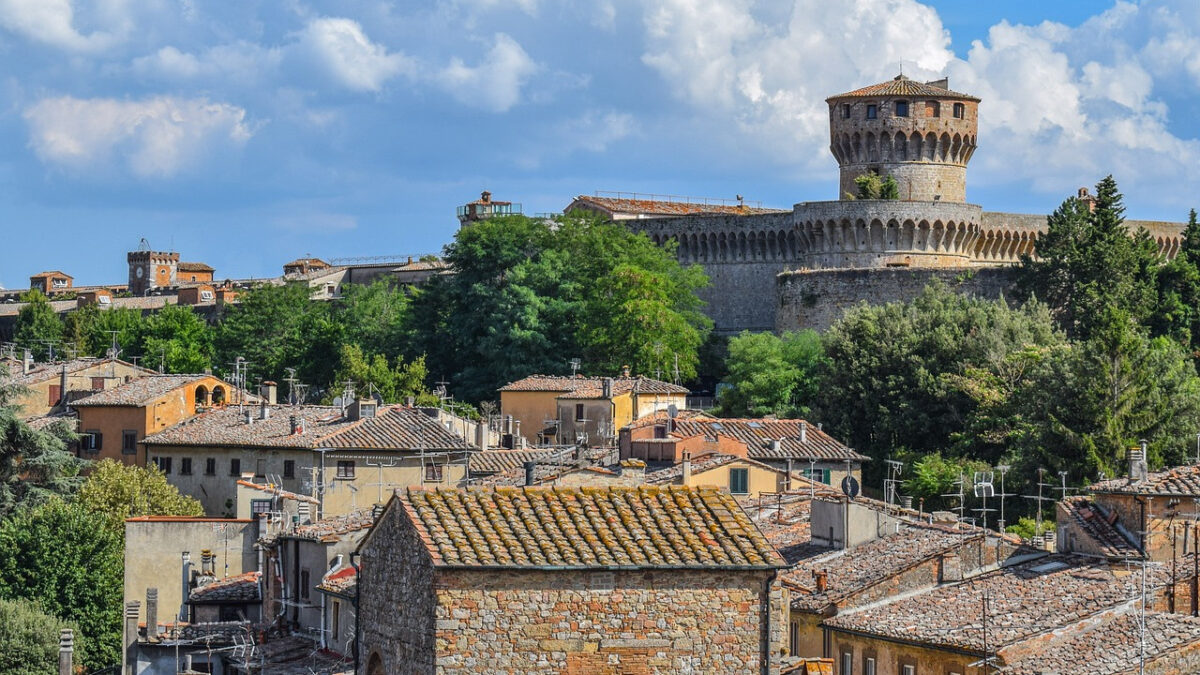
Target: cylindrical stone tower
{"x": 920, "y": 134}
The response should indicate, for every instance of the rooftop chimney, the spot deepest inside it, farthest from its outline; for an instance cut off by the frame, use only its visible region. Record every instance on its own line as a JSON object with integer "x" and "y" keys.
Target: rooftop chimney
{"x": 129, "y": 655}
{"x": 410, "y": 401}
{"x": 151, "y": 613}
{"x": 248, "y": 414}
{"x": 803, "y": 432}
{"x": 264, "y": 411}
{"x": 269, "y": 391}
{"x": 66, "y": 651}
{"x": 821, "y": 578}
{"x": 607, "y": 387}
{"x": 686, "y": 468}
{"x": 206, "y": 562}
{"x": 774, "y": 445}
{"x": 624, "y": 371}
{"x": 362, "y": 408}
{"x": 530, "y": 471}
{"x": 1137, "y": 463}
{"x": 293, "y": 424}
{"x": 187, "y": 574}
{"x": 27, "y": 363}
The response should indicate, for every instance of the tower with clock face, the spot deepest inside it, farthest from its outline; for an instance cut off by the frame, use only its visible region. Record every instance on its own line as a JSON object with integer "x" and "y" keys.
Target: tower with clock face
{"x": 149, "y": 270}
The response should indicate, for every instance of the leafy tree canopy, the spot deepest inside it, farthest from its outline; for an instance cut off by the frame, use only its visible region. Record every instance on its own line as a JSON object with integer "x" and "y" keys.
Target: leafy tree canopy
{"x": 29, "y": 639}
{"x": 37, "y": 325}
{"x": 177, "y": 340}
{"x": 120, "y": 491}
{"x": 70, "y": 561}
{"x": 35, "y": 464}
{"x": 772, "y": 375}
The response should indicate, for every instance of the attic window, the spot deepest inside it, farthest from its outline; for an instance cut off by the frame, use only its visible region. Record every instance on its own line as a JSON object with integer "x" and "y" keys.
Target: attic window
{"x": 754, "y": 425}
{"x": 206, "y": 295}
{"x": 59, "y": 282}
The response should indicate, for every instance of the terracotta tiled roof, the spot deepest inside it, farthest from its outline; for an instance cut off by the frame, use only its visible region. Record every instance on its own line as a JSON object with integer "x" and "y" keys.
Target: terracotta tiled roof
{"x": 587, "y": 528}
{"x": 655, "y": 207}
{"x": 1181, "y": 481}
{"x": 876, "y": 561}
{"x": 757, "y": 434}
{"x": 48, "y": 371}
{"x": 902, "y": 86}
{"x": 341, "y": 581}
{"x": 242, "y": 588}
{"x": 497, "y": 461}
{"x": 592, "y": 387}
{"x": 1111, "y": 645}
{"x": 44, "y": 422}
{"x": 544, "y": 473}
{"x": 1092, "y": 521}
{"x": 395, "y": 427}
{"x": 51, "y": 273}
{"x": 1027, "y": 599}
{"x": 701, "y": 464}
{"x": 193, "y": 267}
{"x": 327, "y": 528}
{"x": 141, "y": 391}
{"x": 422, "y": 265}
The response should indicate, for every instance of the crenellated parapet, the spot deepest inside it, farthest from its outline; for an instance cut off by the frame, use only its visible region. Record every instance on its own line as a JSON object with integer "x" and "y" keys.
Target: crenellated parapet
{"x": 886, "y": 233}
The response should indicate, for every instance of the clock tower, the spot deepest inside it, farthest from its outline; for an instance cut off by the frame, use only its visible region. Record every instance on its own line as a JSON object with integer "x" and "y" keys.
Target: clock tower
{"x": 149, "y": 269}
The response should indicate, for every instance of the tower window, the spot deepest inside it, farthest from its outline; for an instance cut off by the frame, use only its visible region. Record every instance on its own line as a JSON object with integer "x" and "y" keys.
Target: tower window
{"x": 901, "y": 108}
{"x": 846, "y": 111}
{"x": 872, "y": 111}
{"x": 959, "y": 110}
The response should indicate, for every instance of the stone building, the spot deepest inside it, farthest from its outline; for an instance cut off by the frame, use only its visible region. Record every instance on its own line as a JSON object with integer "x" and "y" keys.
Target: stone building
{"x": 52, "y": 282}
{"x": 568, "y": 580}
{"x": 560, "y": 409}
{"x": 151, "y": 270}
{"x": 788, "y": 270}
{"x": 51, "y": 386}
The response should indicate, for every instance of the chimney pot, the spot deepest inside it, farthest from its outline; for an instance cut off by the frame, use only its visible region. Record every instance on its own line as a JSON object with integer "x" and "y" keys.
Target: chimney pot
{"x": 624, "y": 371}
{"x": 66, "y": 651}
{"x": 821, "y": 577}
{"x": 293, "y": 424}
{"x": 151, "y": 612}
{"x": 264, "y": 411}
{"x": 804, "y": 432}
{"x": 410, "y": 401}
{"x": 530, "y": 471}
{"x": 686, "y": 468}
{"x": 249, "y": 416}
{"x": 607, "y": 387}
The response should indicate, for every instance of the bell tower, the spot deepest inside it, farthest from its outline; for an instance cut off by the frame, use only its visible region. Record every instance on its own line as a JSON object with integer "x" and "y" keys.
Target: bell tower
{"x": 151, "y": 269}
{"x": 921, "y": 134}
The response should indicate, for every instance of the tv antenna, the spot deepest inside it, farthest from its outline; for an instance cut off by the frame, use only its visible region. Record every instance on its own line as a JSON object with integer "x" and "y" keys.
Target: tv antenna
{"x": 1003, "y": 469}
{"x": 894, "y": 469}
{"x": 960, "y": 495}
{"x": 1041, "y": 484}
{"x": 983, "y": 488}
{"x": 381, "y": 465}
{"x": 575, "y": 364}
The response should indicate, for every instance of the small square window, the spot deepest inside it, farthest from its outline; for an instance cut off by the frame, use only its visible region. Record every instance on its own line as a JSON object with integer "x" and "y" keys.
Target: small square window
{"x": 872, "y": 111}
{"x": 259, "y": 508}
{"x": 235, "y": 467}
{"x": 433, "y": 473}
{"x": 92, "y": 440}
{"x": 128, "y": 442}
{"x": 846, "y": 111}
{"x": 163, "y": 464}
{"x": 345, "y": 469}
{"x": 579, "y": 412}
{"x": 960, "y": 110}
{"x": 739, "y": 481}
{"x": 185, "y": 466}
{"x": 210, "y": 467}
{"x": 901, "y": 108}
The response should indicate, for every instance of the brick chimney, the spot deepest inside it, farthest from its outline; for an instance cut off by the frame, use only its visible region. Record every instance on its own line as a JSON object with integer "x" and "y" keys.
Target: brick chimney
{"x": 821, "y": 579}
{"x": 686, "y": 466}
{"x": 269, "y": 392}
{"x": 1137, "y": 464}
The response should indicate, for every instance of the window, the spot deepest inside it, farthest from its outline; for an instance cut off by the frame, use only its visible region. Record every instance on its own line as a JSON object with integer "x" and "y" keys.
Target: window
{"x": 660, "y": 431}
{"x": 289, "y": 468}
{"x": 205, "y": 296}
{"x": 60, "y": 283}
{"x": 739, "y": 481}
{"x": 345, "y": 468}
{"x": 185, "y": 466}
{"x": 337, "y": 619}
{"x": 235, "y": 467}
{"x": 846, "y": 111}
{"x": 872, "y": 111}
{"x": 259, "y": 508}
{"x": 960, "y": 110}
{"x": 304, "y": 583}
{"x": 210, "y": 467}
{"x": 128, "y": 442}
{"x": 868, "y": 666}
{"x": 908, "y": 669}
{"x": 847, "y": 663}
{"x": 793, "y": 637}
{"x": 54, "y": 393}
{"x": 579, "y": 412}
{"x": 163, "y": 464}
{"x": 433, "y": 472}
{"x": 901, "y": 108}
{"x": 819, "y": 475}
{"x": 933, "y": 109}
{"x": 260, "y": 469}
{"x": 194, "y": 278}
{"x": 92, "y": 440}
{"x": 97, "y": 383}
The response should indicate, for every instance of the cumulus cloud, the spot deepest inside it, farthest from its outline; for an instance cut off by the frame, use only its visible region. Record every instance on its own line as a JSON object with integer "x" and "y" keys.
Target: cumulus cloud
{"x": 495, "y": 84}
{"x": 240, "y": 61}
{"x": 52, "y": 22}
{"x": 1061, "y": 105}
{"x": 153, "y": 138}
{"x": 349, "y": 57}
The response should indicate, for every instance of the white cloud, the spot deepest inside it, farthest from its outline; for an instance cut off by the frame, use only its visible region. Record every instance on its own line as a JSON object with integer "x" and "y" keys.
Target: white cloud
{"x": 240, "y": 61}
{"x": 154, "y": 138}
{"x": 495, "y": 84}
{"x": 595, "y": 131}
{"x": 52, "y": 22}
{"x": 1061, "y": 106}
{"x": 345, "y": 52}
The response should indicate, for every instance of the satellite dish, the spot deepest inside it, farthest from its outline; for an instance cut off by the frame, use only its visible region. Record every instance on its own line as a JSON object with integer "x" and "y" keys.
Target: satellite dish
{"x": 672, "y": 411}
{"x": 850, "y": 487}
{"x": 378, "y": 398}
{"x": 337, "y": 402}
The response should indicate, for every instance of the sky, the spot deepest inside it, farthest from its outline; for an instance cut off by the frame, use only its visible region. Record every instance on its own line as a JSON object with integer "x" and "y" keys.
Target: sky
{"x": 246, "y": 133}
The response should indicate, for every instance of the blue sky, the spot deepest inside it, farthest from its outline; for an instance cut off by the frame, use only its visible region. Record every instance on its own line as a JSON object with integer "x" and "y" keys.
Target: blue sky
{"x": 246, "y": 133}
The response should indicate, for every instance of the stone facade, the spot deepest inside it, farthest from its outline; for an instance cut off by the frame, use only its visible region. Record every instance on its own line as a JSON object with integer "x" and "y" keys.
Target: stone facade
{"x": 816, "y": 298}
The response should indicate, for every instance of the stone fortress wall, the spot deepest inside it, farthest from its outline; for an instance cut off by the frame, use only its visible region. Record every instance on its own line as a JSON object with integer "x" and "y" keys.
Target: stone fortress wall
{"x": 803, "y": 268}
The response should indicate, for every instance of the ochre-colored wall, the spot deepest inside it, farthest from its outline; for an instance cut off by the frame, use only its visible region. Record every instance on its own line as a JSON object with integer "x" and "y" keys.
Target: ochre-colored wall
{"x": 532, "y": 408}
{"x": 759, "y": 479}
{"x": 37, "y": 402}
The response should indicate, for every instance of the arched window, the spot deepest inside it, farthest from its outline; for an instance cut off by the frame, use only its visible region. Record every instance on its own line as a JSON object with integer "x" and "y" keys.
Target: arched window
{"x": 375, "y": 665}
{"x": 218, "y": 395}
{"x": 901, "y": 108}
{"x": 201, "y": 397}
{"x": 960, "y": 110}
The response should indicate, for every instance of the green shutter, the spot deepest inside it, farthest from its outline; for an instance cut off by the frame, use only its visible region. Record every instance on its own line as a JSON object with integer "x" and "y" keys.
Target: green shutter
{"x": 739, "y": 481}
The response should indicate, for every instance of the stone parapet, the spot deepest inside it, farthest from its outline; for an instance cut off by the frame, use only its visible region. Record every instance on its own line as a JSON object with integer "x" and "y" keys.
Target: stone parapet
{"x": 886, "y": 233}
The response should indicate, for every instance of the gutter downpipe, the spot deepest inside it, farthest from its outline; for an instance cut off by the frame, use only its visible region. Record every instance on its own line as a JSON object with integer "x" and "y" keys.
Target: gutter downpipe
{"x": 357, "y": 584}
{"x": 767, "y": 647}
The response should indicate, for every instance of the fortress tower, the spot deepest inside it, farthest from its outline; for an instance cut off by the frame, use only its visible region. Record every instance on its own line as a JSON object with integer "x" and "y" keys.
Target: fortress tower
{"x": 922, "y": 135}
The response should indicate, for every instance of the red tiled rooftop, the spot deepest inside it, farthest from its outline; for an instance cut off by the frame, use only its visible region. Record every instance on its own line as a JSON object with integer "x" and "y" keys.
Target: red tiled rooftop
{"x": 902, "y": 86}
{"x": 655, "y": 207}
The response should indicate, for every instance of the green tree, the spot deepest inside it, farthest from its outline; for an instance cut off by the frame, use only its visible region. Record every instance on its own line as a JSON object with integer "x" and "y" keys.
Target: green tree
{"x": 120, "y": 491}
{"x": 372, "y": 371}
{"x": 1177, "y": 312}
{"x": 29, "y": 639}
{"x": 874, "y": 186}
{"x": 932, "y": 476}
{"x": 35, "y": 464}
{"x": 374, "y": 317}
{"x": 772, "y": 375}
{"x": 890, "y": 386}
{"x": 71, "y": 562}
{"x": 177, "y": 340}
{"x": 1087, "y": 262}
{"x": 123, "y": 324}
{"x": 276, "y": 327}
{"x": 37, "y": 325}
{"x": 541, "y": 293}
